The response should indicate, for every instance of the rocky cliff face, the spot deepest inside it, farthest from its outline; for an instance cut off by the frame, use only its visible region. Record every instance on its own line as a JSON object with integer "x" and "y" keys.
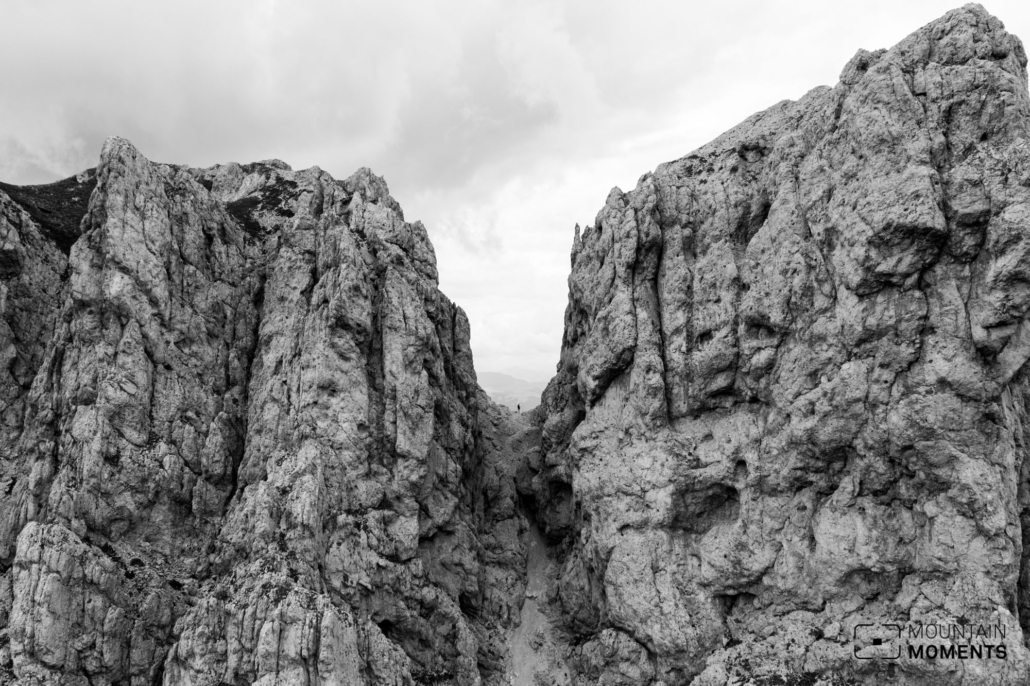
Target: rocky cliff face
{"x": 242, "y": 439}
{"x": 792, "y": 393}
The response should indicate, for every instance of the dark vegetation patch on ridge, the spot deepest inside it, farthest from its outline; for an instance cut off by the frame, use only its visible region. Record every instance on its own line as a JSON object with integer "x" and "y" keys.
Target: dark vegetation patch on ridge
{"x": 276, "y": 197}
{"x": 57, "y": 207}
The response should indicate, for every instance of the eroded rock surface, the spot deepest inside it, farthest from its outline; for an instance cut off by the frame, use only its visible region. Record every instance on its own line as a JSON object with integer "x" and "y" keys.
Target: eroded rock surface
{"x": 242, "y": 439}
{"x": 792, "y": 392}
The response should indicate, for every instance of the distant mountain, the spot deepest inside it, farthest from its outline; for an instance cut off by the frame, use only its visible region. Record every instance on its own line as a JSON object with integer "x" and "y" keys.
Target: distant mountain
{"x": 511, "y": 392}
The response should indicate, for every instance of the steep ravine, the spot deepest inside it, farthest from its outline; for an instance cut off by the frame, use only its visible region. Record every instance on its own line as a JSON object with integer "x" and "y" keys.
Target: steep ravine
{"x": 537, "y": 654}
{"x": 242, "y": 440}
{"x": 538, "y": 646}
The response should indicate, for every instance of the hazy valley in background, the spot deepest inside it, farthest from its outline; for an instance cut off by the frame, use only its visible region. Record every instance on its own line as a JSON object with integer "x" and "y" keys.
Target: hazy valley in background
{"x": 511, "y": 392}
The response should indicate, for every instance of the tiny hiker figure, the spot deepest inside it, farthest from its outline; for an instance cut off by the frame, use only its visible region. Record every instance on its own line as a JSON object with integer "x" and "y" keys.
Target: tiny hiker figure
{"x": 519, "y": 408}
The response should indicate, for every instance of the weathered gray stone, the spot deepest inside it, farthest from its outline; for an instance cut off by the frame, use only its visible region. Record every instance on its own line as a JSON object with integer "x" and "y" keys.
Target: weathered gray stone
{"x": 244, "y": 441}
{"x": 792, "y": 388}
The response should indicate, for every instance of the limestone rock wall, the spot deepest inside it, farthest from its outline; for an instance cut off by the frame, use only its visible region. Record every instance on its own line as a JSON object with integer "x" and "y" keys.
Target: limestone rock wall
{"x": 792, "y": 391}
{"x": 242, "y": 441}
{"x": 242, "y": 438}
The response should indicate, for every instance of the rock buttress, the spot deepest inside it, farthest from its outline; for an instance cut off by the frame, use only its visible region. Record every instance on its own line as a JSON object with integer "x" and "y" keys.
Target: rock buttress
{"x": 792, "y": 391}
{"x": 243, "y": 439}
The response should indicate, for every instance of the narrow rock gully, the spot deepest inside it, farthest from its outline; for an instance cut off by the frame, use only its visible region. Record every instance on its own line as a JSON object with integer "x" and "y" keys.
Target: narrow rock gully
{"x": 537, "y": 654}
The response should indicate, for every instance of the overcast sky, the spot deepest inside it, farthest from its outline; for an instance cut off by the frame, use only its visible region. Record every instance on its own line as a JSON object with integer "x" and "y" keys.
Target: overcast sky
{"x": 499, "y": 124}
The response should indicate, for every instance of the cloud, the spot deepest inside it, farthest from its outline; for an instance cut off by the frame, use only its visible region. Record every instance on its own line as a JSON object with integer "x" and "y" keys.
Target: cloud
{"x": 499, "y": 124}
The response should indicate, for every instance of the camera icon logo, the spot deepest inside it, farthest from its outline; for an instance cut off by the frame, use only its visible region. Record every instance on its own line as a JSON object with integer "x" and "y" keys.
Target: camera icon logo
{"x": 877, "y": 641}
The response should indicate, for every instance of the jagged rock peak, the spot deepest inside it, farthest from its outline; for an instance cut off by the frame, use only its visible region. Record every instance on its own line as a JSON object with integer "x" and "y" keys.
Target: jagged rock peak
{"x": 241, "y": 439}
{"x": 278, "y": 164}
{"x": 116, "y": 147}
